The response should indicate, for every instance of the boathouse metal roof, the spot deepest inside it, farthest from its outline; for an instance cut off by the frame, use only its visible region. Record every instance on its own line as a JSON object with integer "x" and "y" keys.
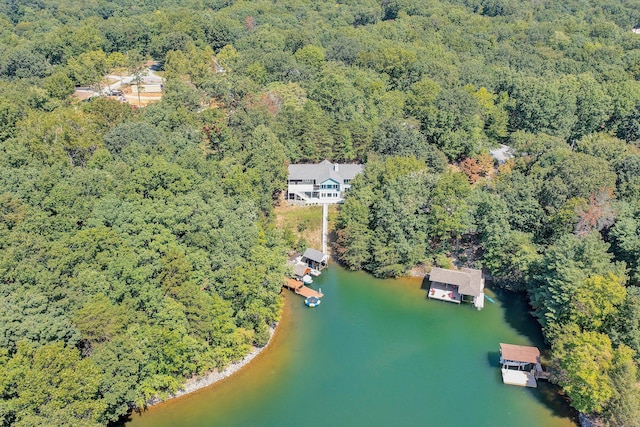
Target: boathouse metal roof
{"x": 468, "y": 280}
{"x": 314, "y": 255}
{"x": 520, "y": 353}
{"x": 323, "y": 171}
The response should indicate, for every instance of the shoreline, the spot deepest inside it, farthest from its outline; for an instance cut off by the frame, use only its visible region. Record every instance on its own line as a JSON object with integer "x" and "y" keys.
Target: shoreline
{"x": 197, "y": 383}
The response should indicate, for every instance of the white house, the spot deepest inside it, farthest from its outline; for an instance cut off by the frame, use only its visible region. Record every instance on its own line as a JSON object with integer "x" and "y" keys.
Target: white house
{"x": 324, "y": 182}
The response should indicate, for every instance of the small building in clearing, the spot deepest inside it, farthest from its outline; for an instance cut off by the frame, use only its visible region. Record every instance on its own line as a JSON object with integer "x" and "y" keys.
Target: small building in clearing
{"x": 315, "y": 259}
{"x": 464, "y": 285}
{"x": 521, "y": 365}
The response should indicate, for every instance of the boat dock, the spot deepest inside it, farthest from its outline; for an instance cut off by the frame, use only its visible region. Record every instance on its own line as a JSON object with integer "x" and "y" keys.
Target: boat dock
{"x": 520, "y": 378}
{"x": 521, "y": 365}
{"x": 301, "y": 289}
{"x": 457, "y": 286}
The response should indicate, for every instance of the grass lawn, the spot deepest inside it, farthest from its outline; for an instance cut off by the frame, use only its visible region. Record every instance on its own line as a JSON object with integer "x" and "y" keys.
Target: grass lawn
{"x": 305, "y": 222}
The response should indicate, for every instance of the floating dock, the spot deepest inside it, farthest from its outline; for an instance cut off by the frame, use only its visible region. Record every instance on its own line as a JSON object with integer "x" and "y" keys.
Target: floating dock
{"x": 300, "y": 289}
{"x": 520, "y": 378}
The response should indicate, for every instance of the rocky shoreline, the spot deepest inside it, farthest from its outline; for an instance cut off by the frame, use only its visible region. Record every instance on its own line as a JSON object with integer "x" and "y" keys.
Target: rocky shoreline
{"x": 197, "y": 383}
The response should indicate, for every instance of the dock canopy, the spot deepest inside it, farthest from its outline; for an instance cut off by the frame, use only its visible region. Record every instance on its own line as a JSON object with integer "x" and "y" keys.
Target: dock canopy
{"x": 520, "y": 353}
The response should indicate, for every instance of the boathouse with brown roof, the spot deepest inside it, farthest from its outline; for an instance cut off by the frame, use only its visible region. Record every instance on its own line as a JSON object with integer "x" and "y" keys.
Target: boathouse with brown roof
{"x": 521, "y": 365}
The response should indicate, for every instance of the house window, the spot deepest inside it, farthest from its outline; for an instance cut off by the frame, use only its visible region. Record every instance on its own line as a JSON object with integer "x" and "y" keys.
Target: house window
{"x": 329, "y": 186}
{"x": 346, "y": 181}
{"x": 307, "y": 181}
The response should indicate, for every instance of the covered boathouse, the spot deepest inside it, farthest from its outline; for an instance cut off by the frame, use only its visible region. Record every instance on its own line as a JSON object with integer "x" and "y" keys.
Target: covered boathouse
{"x": 520, "y": 365}
{"x": 464, "y": 285}
{"x": 315, "y": 259}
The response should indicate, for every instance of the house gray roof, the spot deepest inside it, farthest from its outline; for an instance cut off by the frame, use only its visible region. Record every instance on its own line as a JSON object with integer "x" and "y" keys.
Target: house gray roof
{"x": 469, "y": 280}
{"x": 324, "y": 170}
{"x": 314, "y": 255}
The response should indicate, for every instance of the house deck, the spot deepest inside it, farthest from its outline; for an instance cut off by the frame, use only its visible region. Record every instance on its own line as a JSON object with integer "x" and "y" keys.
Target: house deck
{"x": 444, "y": 292}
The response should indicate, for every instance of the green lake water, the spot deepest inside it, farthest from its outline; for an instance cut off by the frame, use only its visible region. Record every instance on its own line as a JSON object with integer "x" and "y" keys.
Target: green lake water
{"x": 377, "y": 353}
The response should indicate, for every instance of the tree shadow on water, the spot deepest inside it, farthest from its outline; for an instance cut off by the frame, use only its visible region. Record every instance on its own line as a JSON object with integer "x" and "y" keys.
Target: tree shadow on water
{"x": 122, "y": 421}
{"x": 517, "y": 314}
{"x": 552, "y": 397}
{"x": 493, "y": 357}
{"x": 425, "y": 285}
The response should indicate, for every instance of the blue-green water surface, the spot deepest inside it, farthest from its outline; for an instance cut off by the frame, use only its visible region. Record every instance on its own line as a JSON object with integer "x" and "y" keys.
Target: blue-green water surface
{"x": 377, "y": 353}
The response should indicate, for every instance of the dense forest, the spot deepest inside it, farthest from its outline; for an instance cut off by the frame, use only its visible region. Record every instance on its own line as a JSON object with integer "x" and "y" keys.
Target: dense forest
{"x": 138, "y": 246}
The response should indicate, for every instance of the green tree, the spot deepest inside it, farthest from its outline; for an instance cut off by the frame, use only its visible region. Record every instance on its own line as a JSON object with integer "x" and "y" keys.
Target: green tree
{"x": 89, "y": 68}
{"x": 564, "y": 269}
{"x": 596, "y": 301}
{"x": 625, "y": 239}
{"x": 566, "y": 175}
{"x": 123, "y": 365}
{"x": 138, "y": 70}
{"x": 581, "y": 363}
{"x": 624, "y": 407}
{"x": 593, "y": 107}
{"x": 99, "y": 319}
{"x": 23, "y": 62}
{"x": 354, "y": 235}
{"x": 50, "y": 384}
{"x": 448, "y": 209}
{"x": 544, "y": 105}
{"x": 626, "y": 327}
{"x": 58, "y": 85}
{"x": 628, "y": 184}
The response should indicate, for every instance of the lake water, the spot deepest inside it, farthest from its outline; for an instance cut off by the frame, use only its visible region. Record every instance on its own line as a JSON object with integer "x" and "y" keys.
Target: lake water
{"x": 377, "y": 353}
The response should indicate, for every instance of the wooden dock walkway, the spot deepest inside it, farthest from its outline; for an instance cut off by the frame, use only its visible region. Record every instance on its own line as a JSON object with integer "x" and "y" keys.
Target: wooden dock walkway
{"x": 540, "y": 373}
{"x": 301, "y": 289}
